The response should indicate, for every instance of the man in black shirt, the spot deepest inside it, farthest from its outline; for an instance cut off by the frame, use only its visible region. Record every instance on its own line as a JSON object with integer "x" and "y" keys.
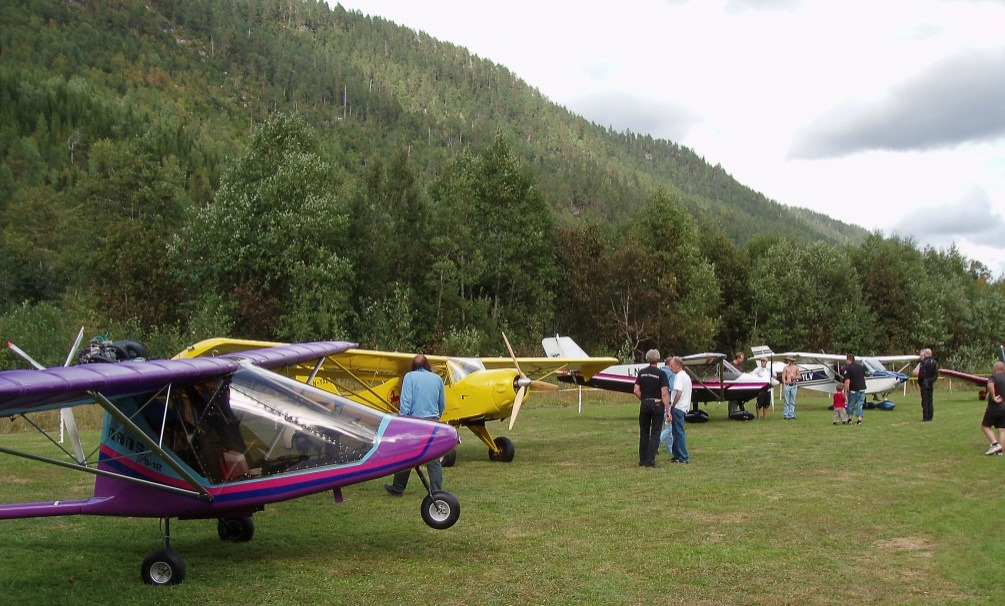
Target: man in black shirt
{"x": 928, "y": 372}
{"x": 653, "y": 391}
{"x": 994, "y": 416}
{"x": 854, "y": 387}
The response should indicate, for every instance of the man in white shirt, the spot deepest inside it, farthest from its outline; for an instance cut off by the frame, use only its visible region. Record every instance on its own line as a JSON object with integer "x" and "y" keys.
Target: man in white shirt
{"x": 680, "y": 405}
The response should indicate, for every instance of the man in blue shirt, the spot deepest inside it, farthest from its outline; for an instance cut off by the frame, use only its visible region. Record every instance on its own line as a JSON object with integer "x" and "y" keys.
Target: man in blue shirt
{"x": 422, "y": 397}
{"x": 666, "y": 436}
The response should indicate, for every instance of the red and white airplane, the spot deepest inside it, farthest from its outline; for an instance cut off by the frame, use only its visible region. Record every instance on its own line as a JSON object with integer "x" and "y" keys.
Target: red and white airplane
{"x": 713, "y": 377}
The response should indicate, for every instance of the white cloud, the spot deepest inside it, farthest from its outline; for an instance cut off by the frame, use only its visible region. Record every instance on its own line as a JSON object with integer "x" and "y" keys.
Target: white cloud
{"x": 858, "y": 109}
{"x": 970, "y": 217}
{"x": 959, "y": 100}
{"x": 625, "y": 111}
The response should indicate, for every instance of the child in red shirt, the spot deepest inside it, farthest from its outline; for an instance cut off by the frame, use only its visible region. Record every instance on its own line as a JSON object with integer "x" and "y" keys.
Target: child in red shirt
{"x": 840, "y": 410}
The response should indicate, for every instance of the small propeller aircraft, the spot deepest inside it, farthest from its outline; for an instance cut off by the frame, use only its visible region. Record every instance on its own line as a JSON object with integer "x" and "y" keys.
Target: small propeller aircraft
{"x": 713, "y": 378}
{"x": 822, "y": 372}
{"x": 218, "y": 438}
{"x": 477, "y": 390}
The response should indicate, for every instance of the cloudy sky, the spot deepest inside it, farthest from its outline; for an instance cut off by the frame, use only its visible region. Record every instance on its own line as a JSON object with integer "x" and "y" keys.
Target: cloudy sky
{"x": 889, "y": 114}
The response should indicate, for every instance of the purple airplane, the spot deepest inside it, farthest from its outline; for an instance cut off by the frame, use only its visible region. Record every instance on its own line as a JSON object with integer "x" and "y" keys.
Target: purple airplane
{"x": 220, "y": 438}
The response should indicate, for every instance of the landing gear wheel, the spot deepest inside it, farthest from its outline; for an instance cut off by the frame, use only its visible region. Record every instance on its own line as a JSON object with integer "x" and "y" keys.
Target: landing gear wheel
{"x": 449, "y": 459}
{"x": 506, "y": 450}
{"x": 886, "y": 405}
{"x": 236, "y": 530}
{"x": 698, "y": 416}
{"x": 162, "y": 567}
{"x": 440, "y": 510}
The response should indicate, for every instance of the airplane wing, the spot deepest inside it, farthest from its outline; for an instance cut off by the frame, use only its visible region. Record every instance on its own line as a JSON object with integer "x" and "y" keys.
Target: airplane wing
{"x": 540, "y": 368}
{"x": 955, "y": 374}
{"x": 823, "y": 358}
{"x": 826, "y": 357}
{"x": 703, "y": 359}
{"x": 885, "y": 359}
{"x": 287, "y": 355}
{"x": 24, "y": 391}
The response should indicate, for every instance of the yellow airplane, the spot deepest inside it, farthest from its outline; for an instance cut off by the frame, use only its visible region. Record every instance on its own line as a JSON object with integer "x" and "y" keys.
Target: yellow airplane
{"x": 476, "y": 389}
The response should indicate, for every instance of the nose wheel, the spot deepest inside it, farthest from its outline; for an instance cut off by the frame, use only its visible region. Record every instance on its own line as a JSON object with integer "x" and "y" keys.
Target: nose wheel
{"x": 440, "y": 509}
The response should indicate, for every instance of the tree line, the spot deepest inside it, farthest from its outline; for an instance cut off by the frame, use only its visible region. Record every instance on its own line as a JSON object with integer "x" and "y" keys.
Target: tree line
{"x": 293, "y": 246}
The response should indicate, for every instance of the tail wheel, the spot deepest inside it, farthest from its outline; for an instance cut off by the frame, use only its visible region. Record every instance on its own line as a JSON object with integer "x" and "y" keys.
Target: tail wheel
{"x": 449, "y": 459}
{"x": 162, "y": 567}
{"x": 506, "y": 450}
{"x": 440, "y": 510}
{"x": 236, "y": 530}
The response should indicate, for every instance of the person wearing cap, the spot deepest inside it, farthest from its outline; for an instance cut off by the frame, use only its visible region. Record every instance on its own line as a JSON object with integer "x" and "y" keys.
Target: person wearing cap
{"x": 790, "y": 376}
{"x": 652, "y": 390}
{"x": 763, "y": 398}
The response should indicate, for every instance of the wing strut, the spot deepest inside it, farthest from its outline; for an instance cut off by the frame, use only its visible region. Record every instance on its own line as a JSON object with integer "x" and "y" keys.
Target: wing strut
{"x": 66, "y": 418}
{"x": 101, "y": 472}
{"x": 365, "y": 386}
{"x": 314, "y": 373}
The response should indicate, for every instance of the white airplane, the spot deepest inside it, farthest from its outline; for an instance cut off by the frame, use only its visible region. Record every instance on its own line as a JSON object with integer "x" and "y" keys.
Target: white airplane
{"x": 714, "y": 379}
{"x": 822, "y": 372}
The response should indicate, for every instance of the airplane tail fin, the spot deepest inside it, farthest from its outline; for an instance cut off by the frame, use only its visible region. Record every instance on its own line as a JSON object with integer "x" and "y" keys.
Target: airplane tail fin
{"x": 562, "y": 347}
{"x": 761, "y": 351}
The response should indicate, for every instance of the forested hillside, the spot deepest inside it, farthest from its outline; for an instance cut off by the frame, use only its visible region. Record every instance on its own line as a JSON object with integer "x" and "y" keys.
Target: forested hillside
{"x": 285, "y": 170}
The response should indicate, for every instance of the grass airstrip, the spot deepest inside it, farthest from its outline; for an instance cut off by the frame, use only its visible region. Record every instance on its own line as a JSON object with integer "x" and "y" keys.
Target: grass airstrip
{"x": 768, "y": 512}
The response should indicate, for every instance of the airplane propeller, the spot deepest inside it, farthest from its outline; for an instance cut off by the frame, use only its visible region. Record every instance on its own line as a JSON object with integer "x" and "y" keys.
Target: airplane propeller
{"x": 523, "y": 384}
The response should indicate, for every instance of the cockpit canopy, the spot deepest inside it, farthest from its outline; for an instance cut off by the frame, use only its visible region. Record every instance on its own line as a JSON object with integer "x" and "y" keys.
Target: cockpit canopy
{"x": 256, "y": 424}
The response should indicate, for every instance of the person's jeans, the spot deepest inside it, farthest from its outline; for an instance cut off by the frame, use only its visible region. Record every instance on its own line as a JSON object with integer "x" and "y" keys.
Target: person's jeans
{"x": 927, "y": 406}
{"x": 433, "y": 468}
{"x": 666, "y": 436}
{"x": 856, "y": 399}
{"x": 651, "y": 413}
{"x": 789, "y": 401}
{"x": 679, "y": 448}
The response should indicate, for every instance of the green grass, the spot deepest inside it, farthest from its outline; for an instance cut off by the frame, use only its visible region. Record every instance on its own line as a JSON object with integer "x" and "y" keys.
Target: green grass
{"x": 769, "y": 512}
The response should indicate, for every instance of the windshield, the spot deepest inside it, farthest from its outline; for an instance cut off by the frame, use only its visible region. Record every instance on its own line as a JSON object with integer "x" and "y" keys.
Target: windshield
{"x": 462, "y": 367}
{"x": 257, "y": 424}
{"x": 730, "y": 372}
{"x": 872, "y": 366}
